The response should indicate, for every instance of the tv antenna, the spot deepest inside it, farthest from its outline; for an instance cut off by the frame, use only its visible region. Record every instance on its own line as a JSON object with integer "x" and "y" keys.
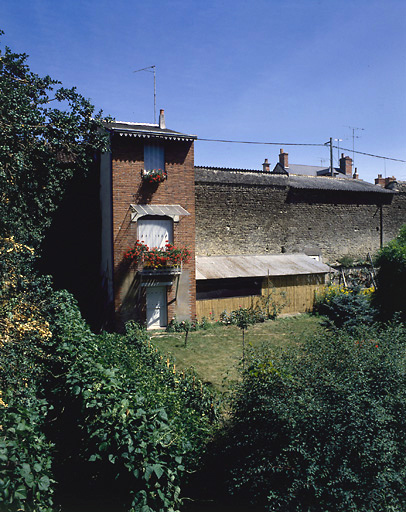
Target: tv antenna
{"x": 338, "y": 149}
{"x": 354, "y": 129}
{"x": 151, "y": 69}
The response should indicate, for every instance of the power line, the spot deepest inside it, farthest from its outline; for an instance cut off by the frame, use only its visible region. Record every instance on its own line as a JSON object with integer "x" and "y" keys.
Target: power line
{"x": 375, "y": 156}
{"x": 253, "y": 142}
{"x": 299, "y": 144}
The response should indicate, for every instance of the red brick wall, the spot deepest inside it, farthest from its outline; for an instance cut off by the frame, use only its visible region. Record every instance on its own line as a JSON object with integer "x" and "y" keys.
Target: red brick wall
{"x": 129, "y": 188}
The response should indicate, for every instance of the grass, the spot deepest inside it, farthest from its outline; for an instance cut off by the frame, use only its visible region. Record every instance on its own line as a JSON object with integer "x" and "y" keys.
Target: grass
{"x": 215, "y": 353}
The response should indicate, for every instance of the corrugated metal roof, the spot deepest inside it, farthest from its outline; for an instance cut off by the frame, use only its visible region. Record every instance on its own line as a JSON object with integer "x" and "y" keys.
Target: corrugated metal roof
{"x": 252, "y": 177}
{"x": 222, "y": 267}
{"x": 146, "y": 131}
{"x": 167, "y": 210}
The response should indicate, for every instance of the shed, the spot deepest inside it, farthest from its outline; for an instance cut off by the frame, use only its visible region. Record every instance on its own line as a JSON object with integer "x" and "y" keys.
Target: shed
{"x": 228, "y": 282}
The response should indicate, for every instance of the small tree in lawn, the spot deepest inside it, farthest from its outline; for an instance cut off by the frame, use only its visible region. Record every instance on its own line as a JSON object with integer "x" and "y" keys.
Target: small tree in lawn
{"x": 243, "y": 318}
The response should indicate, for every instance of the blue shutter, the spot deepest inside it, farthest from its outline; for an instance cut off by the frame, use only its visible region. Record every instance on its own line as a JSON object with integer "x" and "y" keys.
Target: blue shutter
{"x": 154, "y": 157}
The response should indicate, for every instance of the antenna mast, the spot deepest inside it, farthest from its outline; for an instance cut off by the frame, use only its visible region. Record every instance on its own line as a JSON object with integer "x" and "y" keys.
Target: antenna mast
{"x": 151, "y": 69}
{"x": 353, "y": 128}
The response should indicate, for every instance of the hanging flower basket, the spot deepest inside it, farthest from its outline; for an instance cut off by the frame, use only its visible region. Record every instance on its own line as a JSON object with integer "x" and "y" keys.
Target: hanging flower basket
{"x": 168, "y": 257}
{"x": 154, "y": 175}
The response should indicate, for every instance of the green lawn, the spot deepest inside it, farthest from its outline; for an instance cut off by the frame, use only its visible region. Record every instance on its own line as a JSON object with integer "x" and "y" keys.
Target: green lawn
{"x": 215, "y": 353}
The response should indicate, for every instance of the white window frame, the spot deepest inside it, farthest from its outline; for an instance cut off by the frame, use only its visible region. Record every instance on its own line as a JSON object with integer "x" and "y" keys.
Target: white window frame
{"x": 155, "y": 231}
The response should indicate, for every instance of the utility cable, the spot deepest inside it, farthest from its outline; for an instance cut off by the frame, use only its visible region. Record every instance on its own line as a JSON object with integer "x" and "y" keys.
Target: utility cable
{"x": 300, "y": 144}
{"x": 252, "y": 142}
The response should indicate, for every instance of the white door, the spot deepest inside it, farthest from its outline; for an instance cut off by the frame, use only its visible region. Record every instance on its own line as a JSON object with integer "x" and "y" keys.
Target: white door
{"x": 156, "y": 307}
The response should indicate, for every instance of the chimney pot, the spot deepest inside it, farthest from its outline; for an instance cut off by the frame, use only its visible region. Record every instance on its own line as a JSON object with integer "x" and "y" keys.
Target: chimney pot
{"x": 265, "y": 165}
{"x": 283, "y": 159}
{"x": 346, "y": 165}
{"x": 162, "y": 119}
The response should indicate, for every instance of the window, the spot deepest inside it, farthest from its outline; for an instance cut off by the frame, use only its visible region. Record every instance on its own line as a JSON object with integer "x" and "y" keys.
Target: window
{"x": 155, "y": 231}
{"x": 154, "y": 157}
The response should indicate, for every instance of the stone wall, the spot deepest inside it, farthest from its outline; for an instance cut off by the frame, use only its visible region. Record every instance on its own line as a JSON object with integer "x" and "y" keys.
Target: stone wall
{"x": 394, "y": 215}
{"x": 254, "y": 217}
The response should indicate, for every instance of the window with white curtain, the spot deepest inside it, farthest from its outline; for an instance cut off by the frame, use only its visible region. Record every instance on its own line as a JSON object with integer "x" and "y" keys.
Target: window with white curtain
{"x": 155, "y": 231}
{"x": 154, "y": 157}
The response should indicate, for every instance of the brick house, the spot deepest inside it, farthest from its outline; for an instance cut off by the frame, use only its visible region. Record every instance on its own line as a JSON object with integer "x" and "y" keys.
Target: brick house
{"x": 133, "y": 208}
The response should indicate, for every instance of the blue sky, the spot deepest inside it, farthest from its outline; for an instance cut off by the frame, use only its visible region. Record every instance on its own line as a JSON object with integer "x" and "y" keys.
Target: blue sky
{"x": 286, "y": 71}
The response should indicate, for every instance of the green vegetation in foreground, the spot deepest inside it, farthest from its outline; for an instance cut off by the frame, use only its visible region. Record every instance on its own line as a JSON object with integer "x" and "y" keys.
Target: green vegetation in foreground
{"x": 215, "y": 353}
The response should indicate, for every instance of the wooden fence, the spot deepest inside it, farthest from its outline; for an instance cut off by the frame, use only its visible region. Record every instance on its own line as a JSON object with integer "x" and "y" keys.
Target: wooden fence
{"x": 299, "y": 294}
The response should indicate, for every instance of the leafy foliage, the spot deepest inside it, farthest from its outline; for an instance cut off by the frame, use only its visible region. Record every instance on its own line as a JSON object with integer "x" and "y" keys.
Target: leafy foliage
{"x": 266, "y": 307}
{"x": 26, "y": 481}
{"x": 322, "y": 426}
{"x": 137, "y": 412}
{"x": 41, "y": 146}
{"x": 390, "y": 296}
{"x": 346, "y": 307}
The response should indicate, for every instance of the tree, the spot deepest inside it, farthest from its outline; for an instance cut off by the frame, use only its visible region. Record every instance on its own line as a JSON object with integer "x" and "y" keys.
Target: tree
{"x": 319, "y": 425}
{"x": 390, "y": 296}
{"x": 47, "y": 133}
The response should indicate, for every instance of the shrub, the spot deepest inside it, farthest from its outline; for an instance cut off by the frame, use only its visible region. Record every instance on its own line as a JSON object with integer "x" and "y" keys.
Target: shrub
{"x": 322, "y": 426}
{"x": 390, "y": 296}
{"x": 266, "y": 307}
{"x": 345, "y": 307}
{"x": 181, "y": 326}
{"x": 25, "y": 455}
{"x": 135, "y": 411}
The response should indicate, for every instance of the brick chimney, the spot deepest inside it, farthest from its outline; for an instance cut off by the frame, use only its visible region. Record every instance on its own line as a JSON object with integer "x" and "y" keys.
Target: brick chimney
{"x": 380, "y": 181}
{"x": 346, "y": 165}
{"x": 162, "y": 119}
{"x": 384, "y": 182}
{"x": 355, "y": 175}
{"x": 283, "y": 159}
{"x": 265, "y": 165}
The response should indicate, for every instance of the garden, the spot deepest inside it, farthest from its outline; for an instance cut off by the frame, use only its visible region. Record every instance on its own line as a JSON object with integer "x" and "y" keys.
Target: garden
{"x": 312, "y": 414}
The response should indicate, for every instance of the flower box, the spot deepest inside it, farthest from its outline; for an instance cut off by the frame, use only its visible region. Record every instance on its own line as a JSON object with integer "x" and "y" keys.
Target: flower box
{"x": 154, "y": 175}
{"x": 153, "y": 260}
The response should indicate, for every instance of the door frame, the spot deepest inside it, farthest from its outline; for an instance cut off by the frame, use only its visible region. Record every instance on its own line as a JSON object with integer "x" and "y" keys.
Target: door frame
{"x": 163, "y": 308}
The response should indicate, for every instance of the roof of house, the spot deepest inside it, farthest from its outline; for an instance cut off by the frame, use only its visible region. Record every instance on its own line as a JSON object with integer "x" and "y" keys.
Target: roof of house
{"x": 146, "y": 130}
{"x": 222, "y": 267}
{"x": 308, "y": 170}
{"x": 255, "y": 177}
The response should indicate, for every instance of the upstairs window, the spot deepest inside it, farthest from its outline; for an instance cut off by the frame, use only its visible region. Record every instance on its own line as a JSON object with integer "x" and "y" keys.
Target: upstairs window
{"x": 154, "y": 157}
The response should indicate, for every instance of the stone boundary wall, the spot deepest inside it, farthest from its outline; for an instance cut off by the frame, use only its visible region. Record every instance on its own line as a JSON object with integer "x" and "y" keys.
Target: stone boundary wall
{"x": 255, "y": 217}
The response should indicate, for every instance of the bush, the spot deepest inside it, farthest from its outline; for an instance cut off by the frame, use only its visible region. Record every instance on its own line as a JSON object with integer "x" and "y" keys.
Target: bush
{"x": 267, "y": 307}
{"x": 345, "y": 307}
{"x": 322, "y": 426}
{"x": 183, "y": 326}
{"x": 390, "y": 296}
{"x": 133, "y": 410}
{"x": 25, "y": 455}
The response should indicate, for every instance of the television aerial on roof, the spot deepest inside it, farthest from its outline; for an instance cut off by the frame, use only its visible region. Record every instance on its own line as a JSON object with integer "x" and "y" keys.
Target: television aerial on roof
{"x": 151, "y": 69}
